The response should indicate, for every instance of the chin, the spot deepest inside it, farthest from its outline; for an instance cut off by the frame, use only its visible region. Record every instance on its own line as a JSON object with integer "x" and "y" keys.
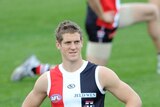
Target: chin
{"x": 74, "y": 59}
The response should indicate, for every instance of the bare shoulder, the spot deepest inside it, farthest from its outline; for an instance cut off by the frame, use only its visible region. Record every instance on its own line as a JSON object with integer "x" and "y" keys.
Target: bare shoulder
{"x": 107, "y": 76}
{"x": 106, "y": 72}
{"x": 42, "y": 83}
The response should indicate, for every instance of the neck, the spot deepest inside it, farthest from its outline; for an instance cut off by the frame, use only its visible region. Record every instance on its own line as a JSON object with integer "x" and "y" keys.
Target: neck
{"x": 72, "y": 66}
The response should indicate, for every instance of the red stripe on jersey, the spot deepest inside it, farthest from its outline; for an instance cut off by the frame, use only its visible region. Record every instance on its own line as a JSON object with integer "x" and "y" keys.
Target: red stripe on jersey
{"x": 56, "y": 91}
{"x": 108, "y": 5}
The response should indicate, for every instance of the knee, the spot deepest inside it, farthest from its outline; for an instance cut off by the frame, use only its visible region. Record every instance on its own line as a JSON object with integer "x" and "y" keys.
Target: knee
{"x": 154, "y": 11}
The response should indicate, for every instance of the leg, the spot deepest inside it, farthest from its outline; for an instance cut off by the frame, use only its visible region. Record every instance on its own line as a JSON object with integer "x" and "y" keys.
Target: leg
{"x": 132, "y": 13}
{"x": 29, "y": 68}
{"x": 141, "y": 12}
{"x": 157, "y": 3}
{"x": 154, "y": 25}
{"x": 98, "y": 53}
{"x": 99, "y": 44}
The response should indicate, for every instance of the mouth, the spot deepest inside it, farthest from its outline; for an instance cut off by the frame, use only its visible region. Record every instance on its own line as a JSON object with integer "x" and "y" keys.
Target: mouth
{"x": 72, "y": 53}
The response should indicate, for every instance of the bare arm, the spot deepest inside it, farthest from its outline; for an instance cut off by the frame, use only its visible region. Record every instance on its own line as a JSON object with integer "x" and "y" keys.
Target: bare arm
{"x": 38, "y": 93}
{"x": 108, "y": 17}
{"x": 118, "y": 88}
{"x": 96, "y": 7}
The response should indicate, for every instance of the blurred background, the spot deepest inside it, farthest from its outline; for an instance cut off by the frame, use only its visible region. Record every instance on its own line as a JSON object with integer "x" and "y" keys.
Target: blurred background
{"x": 27, "y": 27}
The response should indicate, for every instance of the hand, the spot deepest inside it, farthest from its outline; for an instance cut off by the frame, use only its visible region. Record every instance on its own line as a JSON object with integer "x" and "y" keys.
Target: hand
{"x": 108, "y": 17}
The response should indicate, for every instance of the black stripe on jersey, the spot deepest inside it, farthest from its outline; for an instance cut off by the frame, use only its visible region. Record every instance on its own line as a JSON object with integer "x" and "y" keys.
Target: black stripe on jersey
{"x": 90, "y": 94}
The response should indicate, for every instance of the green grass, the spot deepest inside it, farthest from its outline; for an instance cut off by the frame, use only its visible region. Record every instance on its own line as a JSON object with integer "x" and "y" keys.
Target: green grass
{"x": 27, "y": 26}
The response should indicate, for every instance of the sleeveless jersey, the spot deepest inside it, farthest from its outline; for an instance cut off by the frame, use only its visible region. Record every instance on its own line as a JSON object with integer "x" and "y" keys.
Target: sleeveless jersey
{"x": 107, "y": 5}
{"x": 75, "y": 89}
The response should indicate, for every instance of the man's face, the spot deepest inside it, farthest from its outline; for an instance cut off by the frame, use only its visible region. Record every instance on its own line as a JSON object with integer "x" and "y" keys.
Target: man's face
{"x": 70, "y": 46}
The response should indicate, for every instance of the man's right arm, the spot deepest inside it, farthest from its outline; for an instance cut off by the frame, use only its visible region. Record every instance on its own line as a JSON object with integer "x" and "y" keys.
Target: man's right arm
{"x": 38, "y": 93}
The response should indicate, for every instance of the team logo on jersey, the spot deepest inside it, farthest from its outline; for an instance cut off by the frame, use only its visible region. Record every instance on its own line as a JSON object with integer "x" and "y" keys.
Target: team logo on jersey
{"x": 89, "y": 103}
{"x": 71, "y": 86}
{"x": 56, "y": 98}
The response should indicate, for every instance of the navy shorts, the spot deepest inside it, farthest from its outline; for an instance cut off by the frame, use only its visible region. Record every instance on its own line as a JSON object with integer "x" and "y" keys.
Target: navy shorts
{"x": 99, "y": 34}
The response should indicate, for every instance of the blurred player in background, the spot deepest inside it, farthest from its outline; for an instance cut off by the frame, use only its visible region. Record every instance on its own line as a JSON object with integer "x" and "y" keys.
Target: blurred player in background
{"x": 105, "y": 16}
{"x": 102, "y": 20}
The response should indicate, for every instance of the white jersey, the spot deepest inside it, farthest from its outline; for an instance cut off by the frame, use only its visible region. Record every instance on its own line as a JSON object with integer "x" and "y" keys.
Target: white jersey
{"x": 75, "y": 89}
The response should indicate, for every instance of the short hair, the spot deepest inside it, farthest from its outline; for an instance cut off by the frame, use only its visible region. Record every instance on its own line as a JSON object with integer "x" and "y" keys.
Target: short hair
{"x": 67, "y": 26}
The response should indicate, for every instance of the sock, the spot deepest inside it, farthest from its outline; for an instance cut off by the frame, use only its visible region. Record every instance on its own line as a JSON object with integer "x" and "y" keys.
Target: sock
{"x": 40, "y": 69}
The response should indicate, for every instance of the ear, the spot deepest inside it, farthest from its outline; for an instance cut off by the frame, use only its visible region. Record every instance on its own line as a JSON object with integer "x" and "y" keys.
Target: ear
{"x": 57, "y": 44}
{"x": 82, "y": 43}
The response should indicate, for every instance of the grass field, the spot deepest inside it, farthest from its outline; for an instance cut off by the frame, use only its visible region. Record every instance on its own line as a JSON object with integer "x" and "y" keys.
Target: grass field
{"x": 27, "y": 26}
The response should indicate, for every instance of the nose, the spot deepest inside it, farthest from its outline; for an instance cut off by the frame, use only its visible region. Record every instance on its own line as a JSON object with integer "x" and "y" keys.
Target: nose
{"x": 73, "y": 46}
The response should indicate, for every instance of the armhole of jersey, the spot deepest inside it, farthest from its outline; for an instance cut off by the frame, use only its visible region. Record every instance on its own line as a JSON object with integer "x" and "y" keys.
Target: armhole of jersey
{"x": 97, "y": 81}
{"x": 49, "y": 83}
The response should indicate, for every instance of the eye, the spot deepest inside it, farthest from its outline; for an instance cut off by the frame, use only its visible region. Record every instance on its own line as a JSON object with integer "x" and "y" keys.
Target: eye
{"x": 77, "y": 42}
{"x": 68, "y": 43}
